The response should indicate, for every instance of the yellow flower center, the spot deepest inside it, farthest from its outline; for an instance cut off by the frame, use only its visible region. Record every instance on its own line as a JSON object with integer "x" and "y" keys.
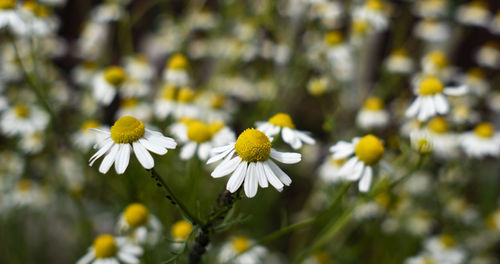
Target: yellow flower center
{"x": 253, "y": 145}
{"x": 479, "y": 4}
{"x": 374, "y": 104}
{"x": 383, "y": 199}
{"x": 317, "y": 87}
{"x": 428, "y": 260}
{"x": 24, "y": 185}
{"x": 218, "y": 101}
{"x": 438, "y": 125}
{"x": 400, "y": 52}
{"x": 198, "y": 131}
{"x": 186, "y": 95}
{"x": 369, "y": 149}
{"x": 127, "y": 129}
{"x": 115, "y": 75}
{"x": 492, "y": 45}
{"x": 136, "y": 215}
{"x": 216, "y": 127}
{"x": 7, "y": 4}
{"x": 447, "y": 240}
{"x": 333, "y": 38}
{"x": 374, "y": 4}
{"x": 430, "y": 86}
{"x": 142, "y": 58}
{"x": 89, "y": 124}
{"x": 168, "y": 92}
{"x": 438, "y": 58}
{"x": 105, "y": 246}
{"x": 282, "y": 120}
{"x": 359, "y": 27}
{"x": 337, "y": 162}
{"x": 129, "y": 102}
{"x": 476, "y": 73}
{"x": 240, "y": 244}
{"x": 484, "y": 130}
{"x": 22, "y": 111}
{"x": 424, "y": 146}
{"x": 178, "y": 62}
{"x": 89, "y": 65}
{"x": 181, "y": 229}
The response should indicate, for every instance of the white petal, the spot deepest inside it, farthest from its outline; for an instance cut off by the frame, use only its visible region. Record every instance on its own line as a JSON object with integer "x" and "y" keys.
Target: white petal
{"x": 271, "y": 177}
{"x": 226, "y": 167}
{"x": 127, "y": 258}
{"x": 442, "y": 106}
{"x": 159, "y": 139}
{"x": 107, "y": 145}
{"x": 456, "y": 91}
{"x": 220, "y": 155}
{"x": 109, "y": 159}
{"x": 188, "y": 150}
{"x": 305, "y": 137}
{"x": 143, "y": 156}
{"x": 414, "y": 108}
{"x": 357, "y": 172}
{"x": 290, "y": 138}
{"x": 348, "y": 167}
{"x": 151, "y": 147}
{"x": 123, "y": 158}
{"x": 204, "y": 151}
{"x": 261, "y": 175}
{"x": 282, "y": 176}
{"x": 237, "y": 177}
{"x": 285, "y": 157}
{"x": 222, "y": 148}
{"x": 87, "y": 258}
{"x": 366, "y": 180}
{"x": 251, "y": 181}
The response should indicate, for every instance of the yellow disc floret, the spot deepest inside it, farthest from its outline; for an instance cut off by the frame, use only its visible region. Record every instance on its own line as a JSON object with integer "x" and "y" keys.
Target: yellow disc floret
{"x": 89, "y": 124}
{"x": 168, "y": 92}
{"x": 374, "y": 4}
{"x": 21, "y": 111}
{"x": 438, "y": 58}
{"x": 253, "y": 145}
{"x": 369, "y": 149}
{"x": 282, "y": 120}
{"x": 136, "y": 215}
{"x": 105, "y": 246}
{"x": 484, "y": 130}
{"x": 438, "y": 125}
{"x": 447, "y": 240}
{"x": 186, "y": 95}
{"x": 240, "y": 244}
{"x": 181, "y": 230}
{"x": 7, "y": 4}
{"x": 359, "y": 27}
{"x": 218, "y": 101}
{"x": 374, "y": 104}
{"x": 333, "y": 38}
{"x": 476, "y": 73}
{"x": 198, "y": 131}
{"x": 216, "y": 127}
{"x": 177, "y": 62}
{"x": 127, "y": 129}
{"x": 430, "y": 86}
{"x": 115, "y": 75}
{"x": 129, "y": 102}
{"x": 24, "y": 185}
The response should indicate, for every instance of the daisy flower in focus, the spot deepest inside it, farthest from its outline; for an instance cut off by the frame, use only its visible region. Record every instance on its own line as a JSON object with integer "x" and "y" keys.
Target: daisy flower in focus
{"x": 106, "y": 83}
{"x": 108, "y": 249}
{"x": 372, "y": 115}
{"x": 475, "y": 13}
{"x": 399, "y": 62}
{"x": 200, "y": 137}
{"x": 176, "y": 71}
{"x": 252, "y": 165}
{"x": 283, "y": 123}
{"x": 241, "y": 245}
{"x": 126, "y": 134}
{"x": 21, "y": 119}
{"x": 431, "y": 98}
{"x": 362, "y": 154}
{"x": 139, "y": 224}
{"x": 483, "y": 141}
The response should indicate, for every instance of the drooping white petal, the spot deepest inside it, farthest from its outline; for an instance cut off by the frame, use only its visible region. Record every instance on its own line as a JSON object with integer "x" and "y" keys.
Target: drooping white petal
{"x": 456, "y": 91}
{"x": 143, "y": 156}
{"x": 237, "y": 177}
{"x": 222, "y": 149}
{"x": 204, "y": 151}
{"x": 290, "y": 138}
{"x": 357, "y": 171}
{"x": 123, "y": 158}
{"x": 127, "y": 258}
{"x": 261, "y": 175}
{"x": 366, "y": 180}
{"x": 151, "y": 147}
{"x": 107, "y": 145}
{"x": 251, "y": 181}
{"x": 441, "y": 104}
{"x": 341, "y": 145}
{"x": 87, "y": 258}
{"x": 305, "y": 137}
{"x": 414, "y": 108}
{"x": 226, "y": 167}
{"x": 348, "y": 167}
{"x": 188, "y": 150}
{"x": 109, "y": 159}
{"x": 271, "y": 177}
{"x": 282, "y": 176}
{"x": 286, "y": 157}
{"x": 221, "y": 155}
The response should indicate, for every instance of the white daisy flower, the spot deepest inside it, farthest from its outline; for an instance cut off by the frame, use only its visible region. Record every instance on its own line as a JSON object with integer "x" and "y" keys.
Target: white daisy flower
{"x": 21, "y": 119}
{"x": 241, "y": 245}
{"x": 216, "y": 107}
{"x": 199, "y": 137}
{"x": 186, "y": 105}
{"x": 139, "y": 225}
{"x": 129, "y": 133}
{"x": 38, "y": 19}
{"x": 176, "y": 71}
{"x": 475, "y": 13}
{"x": 252, "y": 165}
{"x": 106, "y": 83}
{"x": 283, "y": 123}
{"x": 139, "y": 68}
{"x": 483, "y": 141}
{"x": 444, "y": 143}
{"x": 181, "y": 230}
{"x": 82, "y": 74}
{"x": 85, "y": 138}
{"x": 27, "y": 193}
{"x": 432, "y": 30}
{"x": 108, "y": 12}
{"x": 372, "y": 115}
{"x": 495, "y": 24}
{"x": 329, "y": 170}
{"x": 374, "y": 12}
{"x": 12, "y": 168}
{"x": 32, "y": 143}
{"x": 339, "y": 55}
{"x": 431, "y": 99}
{"x": 489, "y": 55}
{"x": 329, "y": 13}
{"x": 94, "y": 36}
{"x": 133, "y": 107}
{"x": 367, "y": 151}
{"x": 475, "y": 81}
{"x": 133, "y": 87}
{"x": 430, "y": 8}
{"x": 435, "y": 63}
{"x": 107, "y": 249}
{"x": 444, "y": 249}
{"x": 421, "y": 141}
{"x": 421, "y": 259}
{"x": 10, "y": 17}
{"x": 399, "y": 62}
{"x": 318, "y": 86}
{"x": 165, "y": 102}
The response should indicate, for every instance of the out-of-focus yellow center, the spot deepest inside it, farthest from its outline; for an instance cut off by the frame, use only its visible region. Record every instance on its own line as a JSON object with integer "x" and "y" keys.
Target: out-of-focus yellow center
{"x": 24, "y": 185}
{"x": 317, "y": 87}
{"x": 240, "y": 244}
{"x": 447, "y": 240}
{"x": 253, "y": 145}
{"x": 186, "y": 95}
{"x": 282, "y": 120}
{"x": 438, "y": 125}
{"x": 383, "y": 199}
{"x": 428, "y": 260}
{"x": 115, "y": 75}
{"x": 333, "y": 38}
{"x": 168, "y": 92}
{"x": 476, "y": 73}
{"x": 178, "y": 62}
{"x": 89, "y": 65}
{"x": 374, "y": 4}
{"x": 337, "y": 162}
{"x": 136, "y": 215}
{"x": 424, "y": 145}
{"x": 105, "y": 246}
{"x": 181, "y": 230}
{"x": 430, "y": 86}
{"x": 485, "y": 130}
{"x": 129, "y": 102}
{"x": 400, "y": 52}
{"x": 479, "y": 4}
{"x": 374, "y": 104}
{"x": 22, "y": 111}
{"x": 369, "y": 149}
{"x": 198, "y": 131}
{"x": 7, "y": 4}
{"x": 438, "y": 58}
{"x": 216, "y": 127}
{"x": 360, "y": 27}
{"x": 218, "y": 101}
{"x": 127, "y": 129}
{"x": 89, "y": 124}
